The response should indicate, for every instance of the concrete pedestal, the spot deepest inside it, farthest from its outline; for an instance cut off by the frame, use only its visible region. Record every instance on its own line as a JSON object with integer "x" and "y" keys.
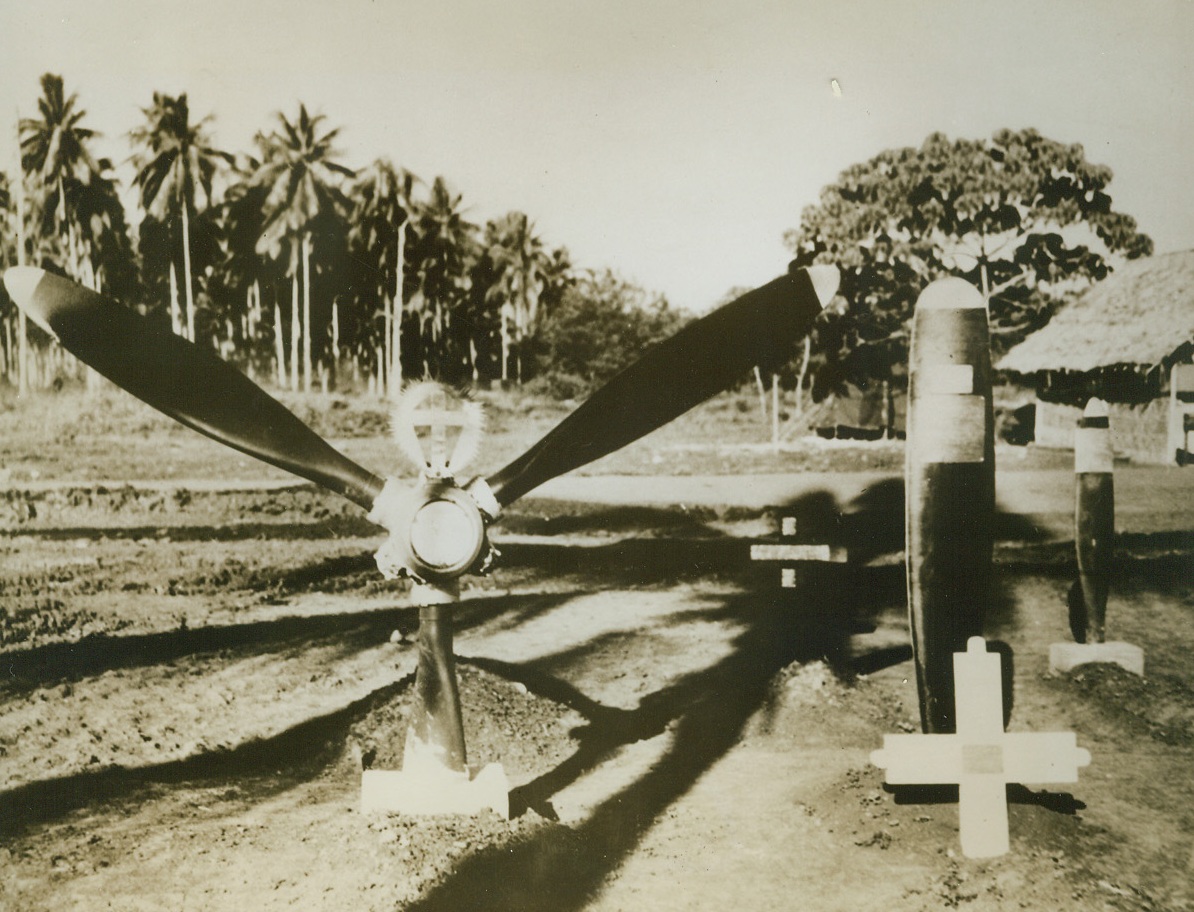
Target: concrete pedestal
{"x": 426, "y": 791}
{"x": 1065, "y": 657}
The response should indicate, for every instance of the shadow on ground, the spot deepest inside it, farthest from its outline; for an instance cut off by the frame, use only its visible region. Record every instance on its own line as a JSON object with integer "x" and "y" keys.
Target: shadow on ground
{"x": 273, "y": 764}
{"x": 56, "y": 663}
{"x": 706, "y": 712}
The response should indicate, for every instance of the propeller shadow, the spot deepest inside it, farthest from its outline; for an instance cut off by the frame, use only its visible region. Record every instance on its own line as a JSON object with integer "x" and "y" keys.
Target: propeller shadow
{"x": 57, "y": 663}
{"x": 707, "y": 711}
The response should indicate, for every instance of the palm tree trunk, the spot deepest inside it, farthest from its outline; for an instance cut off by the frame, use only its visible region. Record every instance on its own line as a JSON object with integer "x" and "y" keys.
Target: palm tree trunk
{"x": 7, "y": 368}
{"x": 334, "y": 360}
{"x": 385, "y": 357}
{"x": 186, "y": 271}
{"x": 395, "y": 372}
{"x": 505, "y": 347}
{"x": 306, "y": 313}
{"x": 22, "y": 353}
{"x": 775, "y": 410}
{"x": 279, "y": 346}
{"x": 295, "y": 331}
{"x": 175, "y": 316}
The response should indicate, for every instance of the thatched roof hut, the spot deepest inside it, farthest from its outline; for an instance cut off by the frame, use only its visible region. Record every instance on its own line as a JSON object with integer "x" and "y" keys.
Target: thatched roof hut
{"x": 1141, "y": 315}
{"x": 1118, "y": 341}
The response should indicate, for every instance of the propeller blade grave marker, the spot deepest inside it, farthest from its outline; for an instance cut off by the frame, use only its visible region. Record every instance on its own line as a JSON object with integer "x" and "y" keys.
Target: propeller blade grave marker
{"x": 699, "y": 361}
{"x": 949, "y": 483}
{"x": 437, "y": 527}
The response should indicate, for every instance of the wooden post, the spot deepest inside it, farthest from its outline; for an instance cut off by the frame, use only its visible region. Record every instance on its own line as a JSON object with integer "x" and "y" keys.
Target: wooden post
{"x": 1181, "y": 411}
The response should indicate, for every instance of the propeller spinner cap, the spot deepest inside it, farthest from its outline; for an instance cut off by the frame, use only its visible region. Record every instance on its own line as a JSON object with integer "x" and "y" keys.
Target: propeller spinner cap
{"x": 437, "y": 533}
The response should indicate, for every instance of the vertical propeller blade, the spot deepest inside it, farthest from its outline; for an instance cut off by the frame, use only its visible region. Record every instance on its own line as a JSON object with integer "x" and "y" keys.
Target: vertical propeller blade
{"x": 683, "y": 371}
{"x": 188, "y": 383}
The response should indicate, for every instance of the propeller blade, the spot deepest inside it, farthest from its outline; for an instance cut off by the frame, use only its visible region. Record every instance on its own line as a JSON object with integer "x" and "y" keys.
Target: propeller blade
{"x": 188, "y": 383}
{"x": 699, "y": 361}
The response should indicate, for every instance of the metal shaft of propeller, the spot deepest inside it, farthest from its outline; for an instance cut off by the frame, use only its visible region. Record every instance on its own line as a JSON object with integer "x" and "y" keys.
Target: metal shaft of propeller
{"x": 437, "y": 534}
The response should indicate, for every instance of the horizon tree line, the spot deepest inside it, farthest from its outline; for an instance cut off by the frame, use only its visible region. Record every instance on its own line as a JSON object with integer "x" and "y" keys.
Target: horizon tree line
{"x": 295, "y": 265}
{"x": 285, "y": 260}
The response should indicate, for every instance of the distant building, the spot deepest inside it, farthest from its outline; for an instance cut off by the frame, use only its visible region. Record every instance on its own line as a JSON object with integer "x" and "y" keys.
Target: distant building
{"x": 1129, "y": 340}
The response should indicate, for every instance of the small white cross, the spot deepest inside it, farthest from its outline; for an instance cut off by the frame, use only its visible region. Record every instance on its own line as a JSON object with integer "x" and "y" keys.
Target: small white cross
{"x": 795, "y": 553}
{"x": 981, "y": 757}
{"x": 436, "y": 423}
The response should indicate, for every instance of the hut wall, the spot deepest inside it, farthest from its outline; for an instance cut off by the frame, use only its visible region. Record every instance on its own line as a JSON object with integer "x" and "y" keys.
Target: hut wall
{"x": 1138, "y": 432}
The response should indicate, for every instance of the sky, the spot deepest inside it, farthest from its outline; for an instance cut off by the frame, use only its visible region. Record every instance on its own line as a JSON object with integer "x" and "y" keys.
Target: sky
{"x": 674, "y": 142}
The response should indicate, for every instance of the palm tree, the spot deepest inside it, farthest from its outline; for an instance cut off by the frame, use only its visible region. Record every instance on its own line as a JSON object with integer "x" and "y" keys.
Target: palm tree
{"x": 54, "y": 148}
{"x": 445, "y": 248}
{"x": 242, "y": 270}
{"x": 175, "y": 169}
{"x": 105, "y": 251}
{"x": 381, "y": 217}
{"x": 522, "y": 266}
{"x": 301, "y": 181}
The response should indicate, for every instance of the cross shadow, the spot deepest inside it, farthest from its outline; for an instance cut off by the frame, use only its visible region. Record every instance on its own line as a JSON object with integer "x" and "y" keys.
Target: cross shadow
{"x": 1057, "y": 802}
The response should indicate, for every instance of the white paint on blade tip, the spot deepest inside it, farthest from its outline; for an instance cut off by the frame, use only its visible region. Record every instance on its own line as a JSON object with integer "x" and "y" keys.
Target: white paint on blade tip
{"x": 21, "y": 281}
{"x": 825, "y": 281}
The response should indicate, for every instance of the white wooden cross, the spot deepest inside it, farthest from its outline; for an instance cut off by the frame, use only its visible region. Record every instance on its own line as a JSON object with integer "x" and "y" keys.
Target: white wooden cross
{"x": 981, "y": 757}
{"x": 793, "y": 552}
{"x": 436, "y": 429}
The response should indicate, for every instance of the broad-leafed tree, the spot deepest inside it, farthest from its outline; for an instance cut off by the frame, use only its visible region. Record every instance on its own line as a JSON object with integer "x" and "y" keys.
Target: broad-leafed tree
{"x": 1026, "y": 219}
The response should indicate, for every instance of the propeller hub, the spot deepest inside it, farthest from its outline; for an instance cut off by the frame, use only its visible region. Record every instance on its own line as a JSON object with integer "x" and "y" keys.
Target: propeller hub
{"x": 446, "y": 534}
{"x": 437, "y": 528}
{"x": 437, "y": 531}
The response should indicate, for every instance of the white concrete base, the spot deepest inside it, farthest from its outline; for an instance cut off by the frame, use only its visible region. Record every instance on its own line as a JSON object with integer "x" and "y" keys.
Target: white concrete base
{"x": 1065, "y": 657}
{"x": 429, "y": 792}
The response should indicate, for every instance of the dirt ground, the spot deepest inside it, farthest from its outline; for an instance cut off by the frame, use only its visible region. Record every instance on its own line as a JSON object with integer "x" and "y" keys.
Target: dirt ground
{"x": 194, "y": 672}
